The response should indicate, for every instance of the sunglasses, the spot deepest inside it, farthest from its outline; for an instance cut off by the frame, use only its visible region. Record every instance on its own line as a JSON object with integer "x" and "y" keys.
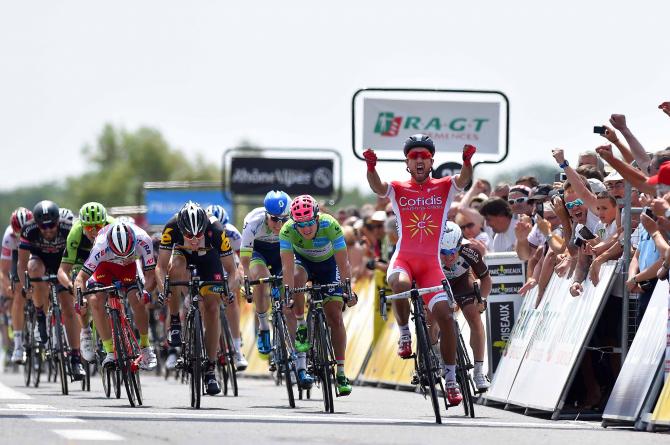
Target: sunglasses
{"x": 97, "y": 227}
{"x": 374, "y": 226}
{"x": 448, "y": 252}
{"x": 187, "y": 236}
{"x": 304, "y": 224}
{"x": 615, "y": 185}
{"x": 572, "y": 204}
{"x": 49, "y": 225}
{"x": 517, "y": 201}
{"x": 281, "y": 219}
{"x": 469, "y": 225}
{"x": 419, "y": 154}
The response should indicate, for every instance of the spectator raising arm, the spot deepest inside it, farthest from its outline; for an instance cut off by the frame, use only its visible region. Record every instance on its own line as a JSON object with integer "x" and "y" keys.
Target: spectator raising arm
{"x": 665, "y": 106}
{"x": 618, "y": 121}
{"x": 576, "y": 181}
{"x": 636, "y": 178}
{"x": 611, "y": 136}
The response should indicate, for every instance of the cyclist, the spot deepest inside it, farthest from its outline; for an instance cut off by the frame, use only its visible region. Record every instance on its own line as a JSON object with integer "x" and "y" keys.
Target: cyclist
{"x": 190, "y": 237}
{"x": 92, "y": 218}
{"x": 421, "y": 205}
{"x": 113, "y": 259}
{"x": 312, "y": 248}
{"x": 232, "y": 310}
{"x": 8, "y": 264}
{"x": 40, "y": 252}
{"x": 463, "y": 265}
{"x": 260, "y": 258}
{"x": 66, "y": 215}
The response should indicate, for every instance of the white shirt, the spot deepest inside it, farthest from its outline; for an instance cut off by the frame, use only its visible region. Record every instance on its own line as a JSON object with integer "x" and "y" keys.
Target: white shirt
{"x": 505, "y": 241}
{"x": 10, "y": 243}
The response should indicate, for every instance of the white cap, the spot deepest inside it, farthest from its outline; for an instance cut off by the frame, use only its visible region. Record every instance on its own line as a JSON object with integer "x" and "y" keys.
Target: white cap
{"x": 614, "y": 176}
{"x": 379, "y": 216}
{"x": 596, "y": 185}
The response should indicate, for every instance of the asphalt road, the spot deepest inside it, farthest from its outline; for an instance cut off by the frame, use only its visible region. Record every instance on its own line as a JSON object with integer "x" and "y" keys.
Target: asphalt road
{"x": 261, "y": 415}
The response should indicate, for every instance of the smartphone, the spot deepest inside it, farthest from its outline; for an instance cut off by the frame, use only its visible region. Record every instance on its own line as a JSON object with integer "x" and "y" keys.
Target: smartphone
{"x": 585, "y": 233}
{"x": 599, "y": 130}
{"x": 649, "y": 213}
{"x": 560, "y": 177}
{"x": 579, "y": 242}
{"x": 539, "y": 209}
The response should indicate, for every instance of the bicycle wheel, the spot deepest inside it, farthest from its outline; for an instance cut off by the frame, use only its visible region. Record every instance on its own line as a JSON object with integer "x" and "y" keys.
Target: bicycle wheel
{"x": 322, "y": 364}
{"x": 282, "y": 359}
{"x": 426, "y": 365}
{"x": 134, "y": 352}
{"x": 59, "y": 344}
{"x": 29, "y": 346}
{"x": 196, "y": 359}
{"x": 38, "y": 360}
{"x": 122, "y": 359}
{"x": 463, "y": 378}
{"x": 230, "y": 355}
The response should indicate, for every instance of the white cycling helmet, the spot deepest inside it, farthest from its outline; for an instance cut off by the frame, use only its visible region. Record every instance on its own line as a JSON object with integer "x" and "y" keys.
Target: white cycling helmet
{"x": 451, "y": 237}
{"x": 66, "y": 214}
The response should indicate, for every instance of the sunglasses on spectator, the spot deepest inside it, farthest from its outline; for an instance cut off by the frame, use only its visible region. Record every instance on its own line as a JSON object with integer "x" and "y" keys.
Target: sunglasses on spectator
{"x": 48, "y": 225}
{"x": 448, "y": 252}
{"x": 517, "y": 201}
{"x": 469, "y": 225}
{"x": 614, "y": 185}
{"x": 572, "y": 204}
{"x": 97, "y": 227}
{"x": 281, "y": 219}
{"x": 419, "y": 154}
{"x": 189, "y": 237}
{"x": 374, "y": 226}
{"x": 305, "y": 224}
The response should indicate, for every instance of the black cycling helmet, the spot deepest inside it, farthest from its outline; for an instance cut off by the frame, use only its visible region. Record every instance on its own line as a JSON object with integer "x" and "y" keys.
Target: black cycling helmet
{"x": 192, "y": 219}
{"x": 46, "y": 213}
{"x": 419, "y": 140}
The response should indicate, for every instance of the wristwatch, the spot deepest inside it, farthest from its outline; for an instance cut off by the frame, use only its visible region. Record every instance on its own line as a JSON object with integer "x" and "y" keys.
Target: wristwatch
{"x": 564, "y": 164}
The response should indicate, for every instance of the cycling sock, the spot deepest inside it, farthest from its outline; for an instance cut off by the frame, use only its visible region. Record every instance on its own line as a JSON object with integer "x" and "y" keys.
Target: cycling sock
{"x": 263, "y": 321}
{"x": 144, "y": 340}
{"x": 108, "y": 345}
{"x": 39, "y": 312}
{"x": 301, "y": 362}
{"x": 174, "y": 319}
{"x": 404, "y": 330}
{"x": 479, "y": 367}
{"x": 449, "y": 372}
{"x": 301, "y": 321}
{"x": 18, "y": 339}
{"x": 340, "y": 366}
{"x": 74, "y": 352}
{"x": 86, "y": 330}
{"x": 238, "y": 345}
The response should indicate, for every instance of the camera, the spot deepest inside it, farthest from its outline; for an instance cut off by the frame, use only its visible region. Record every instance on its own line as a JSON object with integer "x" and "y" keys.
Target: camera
{"x": 585, "y": 233}
{"x": 599, "y": 130}
{"x": 560, "y": 177}
{"x": 649, "y": 213}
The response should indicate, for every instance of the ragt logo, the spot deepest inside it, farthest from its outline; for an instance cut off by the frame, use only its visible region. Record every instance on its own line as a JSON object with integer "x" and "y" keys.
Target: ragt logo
{"x": 388, "y": 124}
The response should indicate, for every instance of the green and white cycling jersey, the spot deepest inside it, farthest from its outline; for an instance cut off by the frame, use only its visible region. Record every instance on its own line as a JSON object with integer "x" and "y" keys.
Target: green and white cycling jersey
{"x": 78, "y": 246}
{"x": 328, "y": 240}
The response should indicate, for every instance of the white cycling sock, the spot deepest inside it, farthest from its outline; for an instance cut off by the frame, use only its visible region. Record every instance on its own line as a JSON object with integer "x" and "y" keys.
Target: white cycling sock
{"x": 238, "y": 344}
{"x": 301, "y": 362}
{"x": 404, "y": 330}
{"x": 18, "y": 339}
{"x": 449, "y": 372}
{"x": 479, "y": 367}
{"x": 263, "y": 321}
{"x": 86, "y": 330}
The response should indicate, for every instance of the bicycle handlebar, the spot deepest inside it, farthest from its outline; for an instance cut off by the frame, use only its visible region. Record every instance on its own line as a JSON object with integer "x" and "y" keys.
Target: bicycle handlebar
{"x": 272, "y": 280}
{"x": 319, "y": 287}
{"x": 200, "y": 284}
{"x": 414, "y": 292}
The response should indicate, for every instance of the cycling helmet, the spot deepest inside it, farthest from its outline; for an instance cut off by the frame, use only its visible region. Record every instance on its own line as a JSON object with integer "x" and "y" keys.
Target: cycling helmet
{"x": 19, "y": 218}
{"x": 126, "y": 219}
{"x": 419, "y": 140}
{"x": 451, "y": 237}
{"x": 66, "y": 215}
{"x": 46, "y": 212}
{"x": 304, "y": 208}
{"x": 121, "y": 239}
{"x": 218, "y": 212}
{"x": 277, "y": 203}
{"x": 192, "y": 219}
{"x": 92, "y": 213}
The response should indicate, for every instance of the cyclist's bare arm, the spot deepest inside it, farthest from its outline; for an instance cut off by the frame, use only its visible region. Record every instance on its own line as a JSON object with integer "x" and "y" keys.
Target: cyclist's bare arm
{"x": 246, "y": 262}
{"x": 228, "y": 264}
{"x": 288, "y": 268}
{"x": 5, "y": 282}
{"x": 376, "y": 184}
{"x": 80, "y": 281}
{"x": 150, "y": 281}
{"x": 485, "y": 285}
{"x": 22, "y": 266}
{"x": 162, "y": 267}
{"x": 464, "y": 177}
{"x": 342, "y": 261}
{"x": 64, "y": 272}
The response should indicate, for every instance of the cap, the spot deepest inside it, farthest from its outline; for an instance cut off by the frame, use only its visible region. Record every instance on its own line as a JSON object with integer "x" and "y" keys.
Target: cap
{"x": 541, "y": 191}
{"x": 379, "y": 215}
{"x": 596, "y": 185}
{"x": 662, "y": 177}
{"x": 614, "y": 176}
{"x": 520, "y": 189}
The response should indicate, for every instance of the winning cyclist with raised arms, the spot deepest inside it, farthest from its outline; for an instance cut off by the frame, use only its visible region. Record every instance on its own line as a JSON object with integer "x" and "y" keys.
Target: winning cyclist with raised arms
{"x": 420, "y": 205}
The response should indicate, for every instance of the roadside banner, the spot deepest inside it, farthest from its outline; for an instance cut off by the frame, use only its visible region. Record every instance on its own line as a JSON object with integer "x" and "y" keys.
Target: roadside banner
{"x": 565, "y": 326}
{"x": 508, "y": 275}
{"x": 162, "y": 204}
{"x": 643, "y": 361}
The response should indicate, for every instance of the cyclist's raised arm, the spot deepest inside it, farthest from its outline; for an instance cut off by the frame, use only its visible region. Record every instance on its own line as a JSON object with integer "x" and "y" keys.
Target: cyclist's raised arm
{"x": 463, "y": 178}
{"x": 376, "y": 184}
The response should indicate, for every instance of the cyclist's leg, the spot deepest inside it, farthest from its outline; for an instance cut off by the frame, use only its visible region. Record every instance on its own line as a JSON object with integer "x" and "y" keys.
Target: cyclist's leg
{"x": 40, "y": 293}
{"x": 70, "y": 318}
{"x": 400, "y": 279}
{"x": 18, "y": 316}
{"x": 442, "y": 314}
{"x": 177, "y": 271}
{"x": 96, "y": 303}
{"x": 210, "y": 311}
{"x": 258, "y": 269}
{"x": 477, "y": 335}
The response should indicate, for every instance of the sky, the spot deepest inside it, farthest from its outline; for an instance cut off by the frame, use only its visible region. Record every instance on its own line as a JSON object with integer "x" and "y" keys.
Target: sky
{"x": 209, "y": 75}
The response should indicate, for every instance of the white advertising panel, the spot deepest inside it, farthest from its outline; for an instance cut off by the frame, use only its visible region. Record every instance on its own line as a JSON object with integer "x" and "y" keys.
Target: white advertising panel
{"x": 642, "y": 361}
{"x": 558, "y": 340}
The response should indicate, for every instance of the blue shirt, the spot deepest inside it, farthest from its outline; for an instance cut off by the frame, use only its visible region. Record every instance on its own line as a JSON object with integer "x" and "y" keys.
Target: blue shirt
{"x": 647, "y": 248}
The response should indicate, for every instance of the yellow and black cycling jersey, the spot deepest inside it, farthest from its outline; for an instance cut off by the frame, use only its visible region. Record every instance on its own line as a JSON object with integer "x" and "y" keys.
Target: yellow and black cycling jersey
{"x": 214, "y": 239}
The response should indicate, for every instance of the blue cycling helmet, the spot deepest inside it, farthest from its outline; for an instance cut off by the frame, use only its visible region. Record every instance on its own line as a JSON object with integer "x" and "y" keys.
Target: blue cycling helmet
{"x": 218, "y": 212}
{"x": 277, "y": 203}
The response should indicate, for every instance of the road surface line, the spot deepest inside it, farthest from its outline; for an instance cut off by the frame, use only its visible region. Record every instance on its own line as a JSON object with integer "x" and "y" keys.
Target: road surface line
{"x": 94, "y": 435}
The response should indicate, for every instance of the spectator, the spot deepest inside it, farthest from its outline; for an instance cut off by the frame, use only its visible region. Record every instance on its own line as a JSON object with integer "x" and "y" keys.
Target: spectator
{"x": 592, "y": 159}
{"x": 471, "y": 227}
{"x": 528, "y": 181}
{"x": 519, "y": 200}
{"x": 499, "y": 219}
{"x": 501, "y": 191}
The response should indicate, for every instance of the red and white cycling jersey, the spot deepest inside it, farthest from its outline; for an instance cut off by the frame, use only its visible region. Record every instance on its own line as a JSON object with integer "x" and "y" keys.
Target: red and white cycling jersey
{"x": 102, "y": 253}
{"x": 421, "y": 212}
{"x": 10, "y": 243}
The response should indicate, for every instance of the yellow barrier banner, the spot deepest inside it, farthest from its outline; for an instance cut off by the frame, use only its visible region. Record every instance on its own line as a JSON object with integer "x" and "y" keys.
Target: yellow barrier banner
{"x": 661, "y": 414}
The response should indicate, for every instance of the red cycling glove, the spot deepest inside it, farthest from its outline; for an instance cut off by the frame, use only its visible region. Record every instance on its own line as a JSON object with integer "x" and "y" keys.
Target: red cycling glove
{"x": 370, "y": 159}
{"x": 468, "y": 152}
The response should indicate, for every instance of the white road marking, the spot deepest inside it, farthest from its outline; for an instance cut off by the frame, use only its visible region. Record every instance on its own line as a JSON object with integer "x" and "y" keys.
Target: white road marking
{"x": 47, "y": 419}
{"x": 7, "y": 393}
{"x": 319, "y": 418}
{"x": 29, "y": 407}
{"x": 87, "y": 435}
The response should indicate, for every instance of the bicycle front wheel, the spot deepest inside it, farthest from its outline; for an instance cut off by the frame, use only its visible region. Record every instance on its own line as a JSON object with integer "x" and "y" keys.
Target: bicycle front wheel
{"x": 196, "y": 356}
{"x": 229, "y": 350}
{"x": 29, "y": 346}
{"x": 282, "y": 358}
{"x": 324, "y": 367}
{"x": 427, "y": 365}
{"x": 122, "y": 358}
{"x": 59, "y": 343}
{"x": 463, "y": 377}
